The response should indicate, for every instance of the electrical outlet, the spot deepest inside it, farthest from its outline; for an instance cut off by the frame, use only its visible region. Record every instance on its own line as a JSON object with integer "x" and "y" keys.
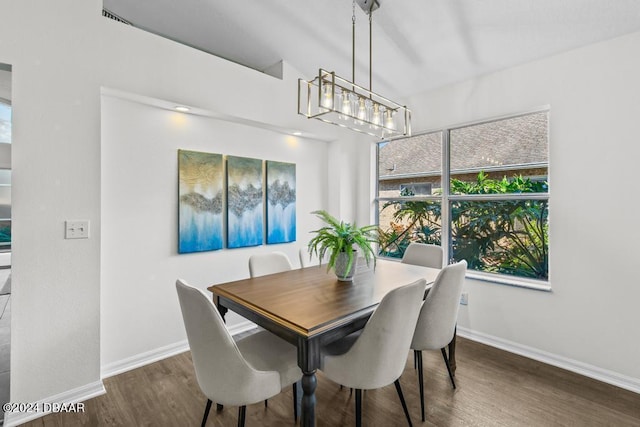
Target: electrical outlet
{"x": 464, "y": 298}
{"x": 78, "y": 229}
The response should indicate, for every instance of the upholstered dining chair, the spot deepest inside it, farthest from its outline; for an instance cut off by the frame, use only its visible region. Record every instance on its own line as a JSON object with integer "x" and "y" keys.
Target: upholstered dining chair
{"x": 423, "y": 254}
{"x": 438, "y": 316}
{"x": 253, "y": 369}
{"x": 270, "y": 263}
{"x": 376, "y": 357}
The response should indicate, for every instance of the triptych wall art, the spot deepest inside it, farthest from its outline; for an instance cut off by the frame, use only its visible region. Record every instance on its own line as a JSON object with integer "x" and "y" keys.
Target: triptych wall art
{"x": 200, "y": 194}
{"x": 281, "y": 202}
{"x": 244, "y": 202}
{"x": 203, "y": 206}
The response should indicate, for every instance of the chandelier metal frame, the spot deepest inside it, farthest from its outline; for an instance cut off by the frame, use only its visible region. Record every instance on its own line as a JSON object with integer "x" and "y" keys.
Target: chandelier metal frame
{"x": 338, "y": 101}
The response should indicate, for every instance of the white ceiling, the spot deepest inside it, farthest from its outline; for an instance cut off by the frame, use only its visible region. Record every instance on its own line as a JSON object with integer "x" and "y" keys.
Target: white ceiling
{"x": 417, "y": 44}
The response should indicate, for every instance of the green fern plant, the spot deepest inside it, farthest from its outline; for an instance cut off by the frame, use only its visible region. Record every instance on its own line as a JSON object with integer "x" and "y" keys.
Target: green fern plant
{"x": 339, "y": 236}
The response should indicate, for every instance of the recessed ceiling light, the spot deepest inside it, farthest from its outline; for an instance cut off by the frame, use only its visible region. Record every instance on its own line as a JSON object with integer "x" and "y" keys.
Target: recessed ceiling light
{"x": 297, "y": 133}
{"x": 182, "y": 109}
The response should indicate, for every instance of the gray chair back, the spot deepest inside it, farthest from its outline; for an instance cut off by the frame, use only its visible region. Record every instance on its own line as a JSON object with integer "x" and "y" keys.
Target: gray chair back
{"x": 271, "y": 263}
{"x": 222, "y": 373}
{"x": 439, "y": 313}
{"x": 424, "y": 255}
{"x": 379, "y": 355}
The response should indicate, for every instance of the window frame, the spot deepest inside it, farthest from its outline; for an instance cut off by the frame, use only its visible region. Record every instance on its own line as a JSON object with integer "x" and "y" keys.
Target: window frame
{"x": 446, "y": 198}
{"x": 7, "y": 247}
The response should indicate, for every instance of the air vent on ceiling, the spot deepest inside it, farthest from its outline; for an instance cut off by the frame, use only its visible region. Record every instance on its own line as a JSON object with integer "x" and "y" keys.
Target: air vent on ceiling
{"x": 108, "y": 14}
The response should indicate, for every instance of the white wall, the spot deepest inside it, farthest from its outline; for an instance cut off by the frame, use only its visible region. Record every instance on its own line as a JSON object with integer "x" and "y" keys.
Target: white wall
{"x": 591, "y": 316}
{"x": 140, "y": 263}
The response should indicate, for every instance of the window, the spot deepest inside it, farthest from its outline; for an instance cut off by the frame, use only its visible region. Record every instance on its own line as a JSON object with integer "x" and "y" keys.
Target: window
{"x": 5, "y": 179}
{"x": 493, "y": 207}
{"x": 403, "y": 215}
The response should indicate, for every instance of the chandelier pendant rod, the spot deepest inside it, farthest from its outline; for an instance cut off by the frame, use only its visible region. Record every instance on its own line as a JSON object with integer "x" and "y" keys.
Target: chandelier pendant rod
{"x": 353, "y": 43}
{"x": 370, "y": 50}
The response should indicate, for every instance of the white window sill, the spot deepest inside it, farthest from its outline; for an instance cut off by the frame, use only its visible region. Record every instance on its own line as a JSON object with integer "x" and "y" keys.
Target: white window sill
{"x": 537, "y": 285}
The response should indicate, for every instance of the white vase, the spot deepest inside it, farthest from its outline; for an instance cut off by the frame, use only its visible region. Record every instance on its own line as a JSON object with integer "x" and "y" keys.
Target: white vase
{"x": 342, "y": 260}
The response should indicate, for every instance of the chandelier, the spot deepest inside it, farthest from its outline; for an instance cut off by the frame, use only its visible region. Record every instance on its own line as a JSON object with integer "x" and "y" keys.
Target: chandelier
{"x": 333, "y": 99}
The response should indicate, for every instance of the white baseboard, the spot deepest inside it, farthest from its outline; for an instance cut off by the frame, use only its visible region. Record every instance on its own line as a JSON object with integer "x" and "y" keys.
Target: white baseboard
{"x": 142, "y": 359}
{"x": 604, "y": 375}
{"x": 160, "y": 353}
{"x": 76, "y": 395}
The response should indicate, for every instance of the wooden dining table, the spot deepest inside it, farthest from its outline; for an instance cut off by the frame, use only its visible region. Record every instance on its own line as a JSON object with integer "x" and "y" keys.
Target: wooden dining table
{"x": 310, "y": 308}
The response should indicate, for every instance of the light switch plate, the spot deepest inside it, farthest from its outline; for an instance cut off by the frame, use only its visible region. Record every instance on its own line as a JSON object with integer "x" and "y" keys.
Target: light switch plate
{"x": 78, "y": 229}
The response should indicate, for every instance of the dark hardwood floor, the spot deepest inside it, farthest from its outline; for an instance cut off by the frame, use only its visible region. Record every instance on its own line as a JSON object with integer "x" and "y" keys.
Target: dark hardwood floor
{"x": 495, "y": 388}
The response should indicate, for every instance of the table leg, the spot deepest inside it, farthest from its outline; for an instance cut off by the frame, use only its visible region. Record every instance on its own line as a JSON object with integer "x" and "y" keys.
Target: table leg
{"x": 452, "y": 353}
{"x": 221, "y": 308}
{"x": 309, "y": 383}
{"x": 309, "y": 362}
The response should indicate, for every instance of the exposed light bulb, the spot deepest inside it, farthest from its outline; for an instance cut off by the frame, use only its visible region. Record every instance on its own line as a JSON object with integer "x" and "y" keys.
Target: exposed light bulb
{"x": 346, "y": 104}
{"x": 376, "y": 120}
{"x": 362, "y": 111}
{"x": 388, "y": 120}
{"x": 327, "y": 96}
{"x": 339, "y": 99}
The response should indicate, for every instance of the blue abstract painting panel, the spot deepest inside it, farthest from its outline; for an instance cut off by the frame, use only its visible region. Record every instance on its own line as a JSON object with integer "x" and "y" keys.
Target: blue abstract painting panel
{"x": 200, "y": 191}
{"x": 281, "y": 202}
{"x": 244, "y": 202}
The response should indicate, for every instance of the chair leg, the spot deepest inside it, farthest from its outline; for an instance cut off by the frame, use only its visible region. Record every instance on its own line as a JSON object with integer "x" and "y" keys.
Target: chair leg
{"x": 404, "y": 404}
{"x": 415, "y": 359}
{"x": 295, "y": 401}
{"x": 446, "y": 361}
{"x": 265, "y": 403}
{"x": 358, "y": 407}
{"x": 421, "y": 383}
{"x": 206, "y": 412}
{"x": 242, "y": 411}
